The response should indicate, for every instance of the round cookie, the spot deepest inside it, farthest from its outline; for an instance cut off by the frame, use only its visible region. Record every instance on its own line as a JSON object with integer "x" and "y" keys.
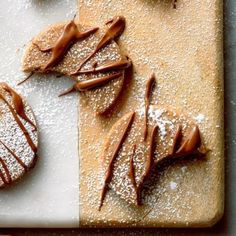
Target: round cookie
{"x": 18, "y": 136}
{"x": 170, "y": 134}
{"x": 40, "y": 51}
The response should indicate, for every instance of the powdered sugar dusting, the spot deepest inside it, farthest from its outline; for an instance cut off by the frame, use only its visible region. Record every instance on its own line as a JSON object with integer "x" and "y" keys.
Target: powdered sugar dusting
{"x": 200, "y": 118}
{"x": 173, "y": 185}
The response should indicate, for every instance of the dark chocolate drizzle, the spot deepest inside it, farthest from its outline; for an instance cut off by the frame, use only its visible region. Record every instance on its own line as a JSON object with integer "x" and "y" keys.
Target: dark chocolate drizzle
{"x": 115, "y": 30}
{"x": 148, "y": 91}
{"x": 149, "y": 162}
{"x": 109, "y": 171}
{"x": 71, "y": 34}
{"x": 91, "y": 83}
{"x": 18, "y": 109}
{"x": 114, "y": 65}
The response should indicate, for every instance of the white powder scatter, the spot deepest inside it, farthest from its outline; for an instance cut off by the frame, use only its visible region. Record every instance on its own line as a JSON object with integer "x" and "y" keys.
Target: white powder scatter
{"x": 200, "y": 118}
{"x": 155, "y": 113}
{"x": 173, "y": 185}
{"x": 184, "y": 169}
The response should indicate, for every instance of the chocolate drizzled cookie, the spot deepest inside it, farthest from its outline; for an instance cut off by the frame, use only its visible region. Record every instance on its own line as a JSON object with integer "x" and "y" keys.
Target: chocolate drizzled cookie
{"x": 140, "y": 141}
{"x": 18, "y": 136}
{"x": 89, "y": 56}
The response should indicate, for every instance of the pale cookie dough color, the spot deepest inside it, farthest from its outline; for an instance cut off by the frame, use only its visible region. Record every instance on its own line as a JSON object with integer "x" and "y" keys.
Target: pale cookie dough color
{"x": 18, "y": 136}
{"x": 92, "y": 59}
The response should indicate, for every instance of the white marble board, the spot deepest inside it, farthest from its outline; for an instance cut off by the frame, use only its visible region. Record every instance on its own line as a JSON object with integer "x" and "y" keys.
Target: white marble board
{"x": 48, "y": 196}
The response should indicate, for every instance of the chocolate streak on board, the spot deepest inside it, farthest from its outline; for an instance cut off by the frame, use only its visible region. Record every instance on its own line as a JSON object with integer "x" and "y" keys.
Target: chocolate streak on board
{"x": 149, "y": 163}
{"x": 91, "y": 83}
{"x": 114, "y": 65}
{"x": 115, "y": 29}
{"x": 70, "y": 35}
{"x": 132, "y": 173}
{"x": 149, "y": 85}
{"x": 27, "y": 78}
{"x": 17, "y": 103}
{"x": 22, "y": 127}
{"x": 114, "y": 154}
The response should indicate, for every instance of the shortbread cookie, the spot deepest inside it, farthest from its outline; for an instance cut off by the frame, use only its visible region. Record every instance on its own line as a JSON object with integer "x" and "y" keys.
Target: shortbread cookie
{"x": 140, "y": 141}
{"x": 171, "y": 134}
{"x": 88, "y": 55}
{"x": 18, "y": 136}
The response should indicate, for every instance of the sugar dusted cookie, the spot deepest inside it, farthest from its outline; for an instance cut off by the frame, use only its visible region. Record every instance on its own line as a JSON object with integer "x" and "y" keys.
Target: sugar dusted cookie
{"x": 18, "y": 136}
{"x": 142, "y": 140}
{"x": 89, "y": 56}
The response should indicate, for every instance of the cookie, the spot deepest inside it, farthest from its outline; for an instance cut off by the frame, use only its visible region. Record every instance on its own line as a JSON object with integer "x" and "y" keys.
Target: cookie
{"x": 89, "y": 56}
{"x": 18, "y": 136}
{"x": 142, "y": 140}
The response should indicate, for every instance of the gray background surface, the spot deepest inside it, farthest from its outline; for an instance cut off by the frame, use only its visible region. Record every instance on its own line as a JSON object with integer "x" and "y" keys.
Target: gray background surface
{"x": 227, "y": 226}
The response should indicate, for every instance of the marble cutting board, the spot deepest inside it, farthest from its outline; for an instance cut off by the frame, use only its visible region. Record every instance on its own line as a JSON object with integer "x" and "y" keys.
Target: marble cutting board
{"x": 48, "y": 195}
